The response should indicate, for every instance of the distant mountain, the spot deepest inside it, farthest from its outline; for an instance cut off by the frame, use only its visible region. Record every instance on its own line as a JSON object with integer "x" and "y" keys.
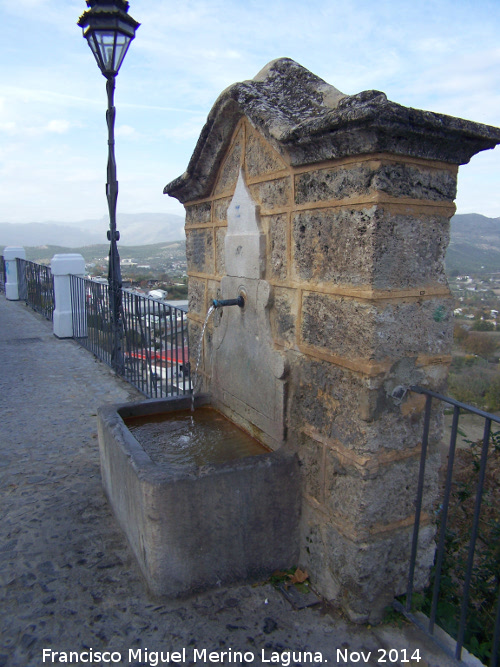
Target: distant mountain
{"x": 135, "y": 229}
{"x": 41, "y": 233}
{"x": 155, "y": 253}
{"x": 474, "y": 244}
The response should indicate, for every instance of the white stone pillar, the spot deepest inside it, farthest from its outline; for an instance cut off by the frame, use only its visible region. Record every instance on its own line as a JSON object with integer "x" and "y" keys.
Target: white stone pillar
{"x": 11, "y": 279}
{"x": 62, "y": 267}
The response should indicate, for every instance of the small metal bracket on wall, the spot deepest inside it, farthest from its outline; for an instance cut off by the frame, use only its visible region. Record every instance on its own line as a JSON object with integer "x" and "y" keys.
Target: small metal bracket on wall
{"x": 398, "y": 394}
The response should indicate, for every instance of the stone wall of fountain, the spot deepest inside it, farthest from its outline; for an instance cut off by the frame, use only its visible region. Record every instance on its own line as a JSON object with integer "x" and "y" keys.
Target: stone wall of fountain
{"x": 330, "y": 214}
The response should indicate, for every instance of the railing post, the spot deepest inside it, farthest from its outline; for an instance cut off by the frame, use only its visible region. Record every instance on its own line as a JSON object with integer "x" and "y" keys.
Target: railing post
{"x": 10, "y": 254}
{"x": 62, "y": 267}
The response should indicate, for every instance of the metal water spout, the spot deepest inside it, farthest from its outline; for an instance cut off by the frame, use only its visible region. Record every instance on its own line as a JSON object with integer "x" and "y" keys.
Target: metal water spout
{"x": 221, "y": 303}
{"x": 216, "y": 303}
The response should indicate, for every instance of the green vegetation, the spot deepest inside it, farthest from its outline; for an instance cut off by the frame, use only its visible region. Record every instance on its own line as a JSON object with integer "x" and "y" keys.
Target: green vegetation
{"x": 178, "y": 291}
{"x": 472, "y": 381}
{"x": 475, "y": 373}
{"x": 474, "y": 378}
{"x": 485, "y": 581}
{"x": 483, "y": 325}
{"x": 161, "y": 265}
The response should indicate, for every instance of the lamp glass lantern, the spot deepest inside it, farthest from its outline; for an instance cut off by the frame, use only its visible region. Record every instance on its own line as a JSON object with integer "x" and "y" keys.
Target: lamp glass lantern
{"x": 108, "y": 29}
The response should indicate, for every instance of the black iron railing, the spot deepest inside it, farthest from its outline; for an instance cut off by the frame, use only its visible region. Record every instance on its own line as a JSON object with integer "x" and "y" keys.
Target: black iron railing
{"x": 468, "y": 558}
{"x": 91, "y": 321}
{"x": 154, "y": 338}
{"x": 36, "y": 286}
{"x": 2, "y": 274}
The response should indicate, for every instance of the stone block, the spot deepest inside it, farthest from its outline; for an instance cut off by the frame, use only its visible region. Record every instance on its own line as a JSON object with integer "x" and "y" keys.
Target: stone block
{"x": 409, "y": 250}
{"x": 371, "y": 246}
{"x": 319, "y": 392}
{"x": 370, "y": 574}
{"x": 284, "y": 315}
{"x": 230, "y": 169}
{"x": 197, "y": 296}
{"x": 260, "y": 157}
{"x": 333, "y": 246}
{"x": 220, "y": 261}
{"x": 416, "y": 181}
{"x": 333, "y": 183}
{"x": 314, "y": 556}
{"x": 353, "y": 413}
{"x": 377, "y": 331}
{"x": 198, "y": 214}
{"x": 311, "y": 457}
{"x": 200, "y": 250}
{"x": 220, "y": 209}
{"x": 274, "y": 194}
{"x": 361, "y": 577}
{"x": 370, "y": 503}
{"x": 393, "y": 178}
{"x": 278, "y": 236}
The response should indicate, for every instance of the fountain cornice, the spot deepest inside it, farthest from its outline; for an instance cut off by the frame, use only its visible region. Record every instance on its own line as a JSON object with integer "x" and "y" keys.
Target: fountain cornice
{"x": 308, "y": 121}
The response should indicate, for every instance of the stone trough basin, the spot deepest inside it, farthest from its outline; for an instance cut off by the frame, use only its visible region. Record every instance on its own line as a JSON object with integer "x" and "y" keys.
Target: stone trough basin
{"x": 198, "y": 522}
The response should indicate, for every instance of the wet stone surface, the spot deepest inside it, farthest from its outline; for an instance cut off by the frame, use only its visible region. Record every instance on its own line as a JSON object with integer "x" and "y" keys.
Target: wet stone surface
{"x": 68, "y": 581}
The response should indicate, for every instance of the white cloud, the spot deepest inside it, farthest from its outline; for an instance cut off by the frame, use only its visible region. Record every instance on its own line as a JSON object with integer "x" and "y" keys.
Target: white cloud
{"x": 9, "y": 127}
{"x": 21, "y": 6}
{"x": 125, "y": 131}
{"x": 465, "y": 85}
{"x": 190, "y": 129}
{"x": 58, "y": 126}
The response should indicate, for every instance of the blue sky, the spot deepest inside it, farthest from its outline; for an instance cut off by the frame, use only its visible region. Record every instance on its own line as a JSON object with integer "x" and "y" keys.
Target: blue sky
{"x": 441, "y": 55}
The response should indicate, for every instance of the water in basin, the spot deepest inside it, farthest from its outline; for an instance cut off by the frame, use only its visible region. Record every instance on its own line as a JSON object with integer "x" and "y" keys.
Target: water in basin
{"x": 184, "y": 438}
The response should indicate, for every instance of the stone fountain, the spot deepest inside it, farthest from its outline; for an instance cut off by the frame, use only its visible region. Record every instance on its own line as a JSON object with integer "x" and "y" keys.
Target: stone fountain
{"x": 329, "y": 214}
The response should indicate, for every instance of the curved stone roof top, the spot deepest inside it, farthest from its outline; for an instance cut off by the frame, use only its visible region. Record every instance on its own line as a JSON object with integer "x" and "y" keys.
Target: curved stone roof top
{"x": 307, "y": 120}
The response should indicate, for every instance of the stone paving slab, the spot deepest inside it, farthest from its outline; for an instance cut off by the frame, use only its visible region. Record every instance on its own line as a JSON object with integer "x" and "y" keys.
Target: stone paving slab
{"x": 68, "y": 582}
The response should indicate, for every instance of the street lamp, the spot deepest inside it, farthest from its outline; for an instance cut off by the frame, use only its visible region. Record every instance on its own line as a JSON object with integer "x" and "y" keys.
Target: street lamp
{"x": 109, "y": 29}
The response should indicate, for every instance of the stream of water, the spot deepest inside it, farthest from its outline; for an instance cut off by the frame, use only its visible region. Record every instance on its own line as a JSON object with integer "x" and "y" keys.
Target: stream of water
{"x": 198, "y": 356}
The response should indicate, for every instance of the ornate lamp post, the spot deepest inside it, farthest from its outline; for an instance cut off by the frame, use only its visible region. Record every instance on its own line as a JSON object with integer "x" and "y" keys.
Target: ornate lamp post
{"x": 109, "y": 30}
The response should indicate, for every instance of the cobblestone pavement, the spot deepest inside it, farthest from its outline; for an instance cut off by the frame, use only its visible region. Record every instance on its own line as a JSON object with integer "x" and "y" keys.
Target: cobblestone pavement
{"x": 68, "y": 580}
